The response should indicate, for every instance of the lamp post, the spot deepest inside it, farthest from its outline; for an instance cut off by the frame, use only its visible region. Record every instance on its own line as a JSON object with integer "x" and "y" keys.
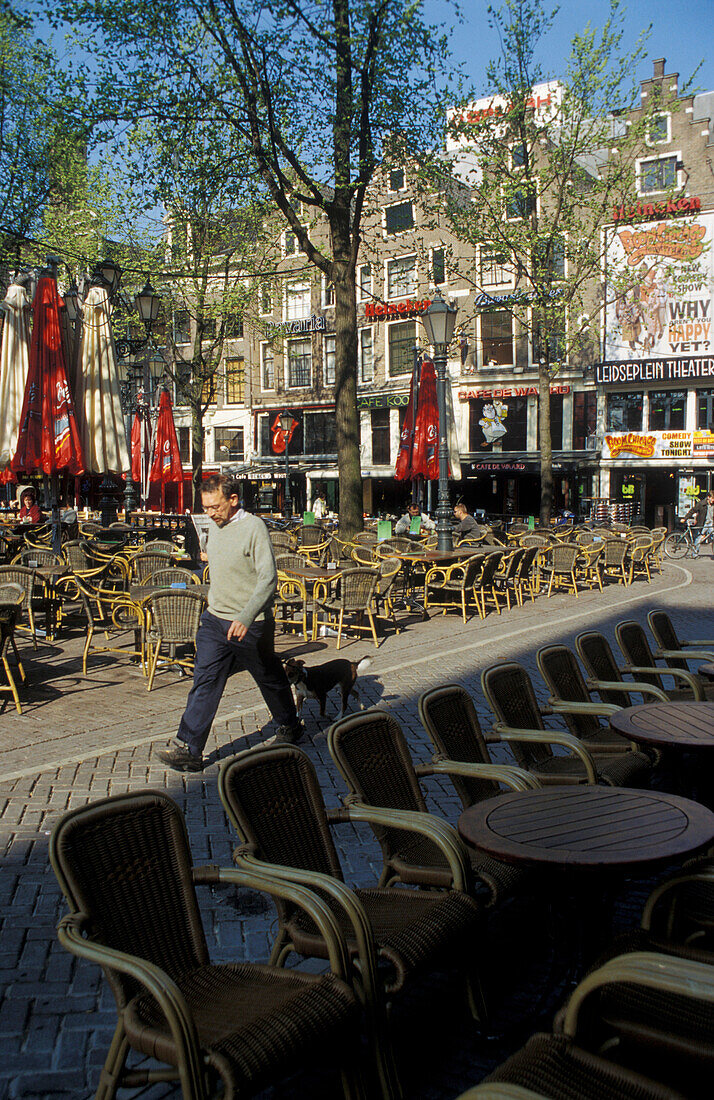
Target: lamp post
{"x": 286, "y": 422}
{"x": 439, "y": 320}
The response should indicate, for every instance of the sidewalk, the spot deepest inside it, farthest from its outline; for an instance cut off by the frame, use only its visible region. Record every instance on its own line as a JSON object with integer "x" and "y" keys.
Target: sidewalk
{"x": 83, "y": 739}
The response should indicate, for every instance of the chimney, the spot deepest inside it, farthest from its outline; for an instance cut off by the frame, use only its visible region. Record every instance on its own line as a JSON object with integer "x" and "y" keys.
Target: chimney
{"x": 659, "y": 68}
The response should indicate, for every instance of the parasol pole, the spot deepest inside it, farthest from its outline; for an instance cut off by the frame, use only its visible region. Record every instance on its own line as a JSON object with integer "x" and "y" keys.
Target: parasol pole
{"x": 415, "y": 388}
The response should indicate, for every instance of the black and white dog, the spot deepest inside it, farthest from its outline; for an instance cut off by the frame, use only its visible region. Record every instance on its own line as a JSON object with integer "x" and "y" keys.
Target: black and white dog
{"x": 317, "y": 681}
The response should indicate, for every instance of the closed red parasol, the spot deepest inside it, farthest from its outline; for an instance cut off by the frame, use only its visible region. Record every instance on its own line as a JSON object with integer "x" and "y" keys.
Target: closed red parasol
{"x": 425, "y": 456}
{"x": 166, "y": 466}
{"x": 48, "y": 439}
{"x": 140, "y": 453}
{"x": 403, "y": 468}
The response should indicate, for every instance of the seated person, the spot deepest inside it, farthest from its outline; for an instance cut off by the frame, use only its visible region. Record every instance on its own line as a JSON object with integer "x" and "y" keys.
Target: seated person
{"x": 29, "y": 508}
{"x": 413, "y": 512}
{"x": 465, "y": 524}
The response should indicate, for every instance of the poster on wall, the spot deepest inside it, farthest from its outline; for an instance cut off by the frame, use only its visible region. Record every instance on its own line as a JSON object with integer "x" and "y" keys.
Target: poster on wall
{"x": 660, "y": 284}
{"x": 672, "y": 446}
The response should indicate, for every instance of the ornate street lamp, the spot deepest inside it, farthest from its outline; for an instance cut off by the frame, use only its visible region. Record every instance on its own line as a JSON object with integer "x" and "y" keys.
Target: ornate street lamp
{"x": 439, "y": 320}
{"x": 285, "y": 420}
{"x": 134, "y": 389}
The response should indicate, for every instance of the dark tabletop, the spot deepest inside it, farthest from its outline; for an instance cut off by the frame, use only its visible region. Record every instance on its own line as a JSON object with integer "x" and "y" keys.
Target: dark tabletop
{"x": 707, "y": 669}
{"x": 436, "y": 556}
{"x": 687, "y": 725}
{"x": 588, "y": 827}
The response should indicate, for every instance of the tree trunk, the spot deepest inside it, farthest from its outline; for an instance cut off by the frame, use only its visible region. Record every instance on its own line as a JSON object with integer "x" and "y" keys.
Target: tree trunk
{"x": 346, "y": 411}
{"x": 546, "y": 445}
{"x": 197, "y": 457}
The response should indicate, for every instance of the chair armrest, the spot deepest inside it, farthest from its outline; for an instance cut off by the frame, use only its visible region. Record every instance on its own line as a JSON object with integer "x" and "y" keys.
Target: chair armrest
{"x": 437, "y": 570}
{"x": 673, "y": 976}
{"x": 500, "y": 1090}
{"x": 627, "y": 686}
{"x": 559, "y": 706}
{"x": 550, "y": 737}
{"x": 155, "y": 981}
{"x": 677, "y": 674}
{"x": 698, "y": 641}
{"x": 517, "y": 779}
{"x": 439, "y": 832}
{"x": 686, "y": 878}
{"x": 689, "y": 655}
{"x": 307, "y": 900}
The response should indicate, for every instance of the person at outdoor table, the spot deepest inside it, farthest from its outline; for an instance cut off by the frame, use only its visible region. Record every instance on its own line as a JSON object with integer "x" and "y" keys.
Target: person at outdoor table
{"x": 465, "y": 523}
{"x": 237, "y": 632}
{"x": 29, "y": 508}
{"x": 403, "y": 525}
{"x": 319, "y": 505}
{"x": 702, "y": 513}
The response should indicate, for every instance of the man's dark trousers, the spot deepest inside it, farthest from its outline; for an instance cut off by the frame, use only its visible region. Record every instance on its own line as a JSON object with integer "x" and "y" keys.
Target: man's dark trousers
{"x": 216, "y": 659}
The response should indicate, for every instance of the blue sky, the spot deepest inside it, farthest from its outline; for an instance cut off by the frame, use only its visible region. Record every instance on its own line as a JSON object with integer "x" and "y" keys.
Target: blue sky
{"x": 682, "y": 32}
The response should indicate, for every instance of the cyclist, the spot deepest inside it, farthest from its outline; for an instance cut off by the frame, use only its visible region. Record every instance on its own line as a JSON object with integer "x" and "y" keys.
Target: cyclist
{"x": 702, "y": 513}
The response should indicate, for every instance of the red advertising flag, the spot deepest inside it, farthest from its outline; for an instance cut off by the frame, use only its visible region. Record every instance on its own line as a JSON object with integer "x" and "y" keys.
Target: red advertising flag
{"x": 48, "y": 439}
{"x": 278, "y": 436}
{"x": 403, "y": 468}
{"x": 166, "y": 466}
{"x": 425, "y": 461}
{"x": 139, "y": 445}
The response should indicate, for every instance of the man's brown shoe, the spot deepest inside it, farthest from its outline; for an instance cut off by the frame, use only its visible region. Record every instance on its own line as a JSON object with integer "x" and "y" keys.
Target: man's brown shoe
{"x": 179, "y": 757}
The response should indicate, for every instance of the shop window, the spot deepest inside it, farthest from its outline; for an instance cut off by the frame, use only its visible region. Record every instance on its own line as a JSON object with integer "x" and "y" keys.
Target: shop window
{"x": 396, "y": 179}
{"x": 624, "y": 412}
{"x": 402, "y": 340}
{"x": 267, "y": 367}
{"x": 497, "y": 338}
{"x": 366, "y": 355}
{"x": 438, "y": 266}
{"x": 320, "y": 433}
{"x": 667, "y": 410}
{"x": 401, "y": 277}
{"x": 364, "y": 282}
{"x": 399, "y": 217}
{"x": 297, "y": 301}
{"x": 229, "y": 444}
{"x": 657, "y": 174}
{"x": 184, "y": 441}
{"x": 380, "y": 437}
{"x": 299, "y": 362}
{"x": 705, "y": 410}
{"x": 516, "y": 425}
{"x": 329, "y": 346}
{"x": 235, "y": 381}
{"x": 501, "y": 422}
{"x": 264, "y": 431}
{"x": 556, "y": 422}
{"x": 584, "y": 420}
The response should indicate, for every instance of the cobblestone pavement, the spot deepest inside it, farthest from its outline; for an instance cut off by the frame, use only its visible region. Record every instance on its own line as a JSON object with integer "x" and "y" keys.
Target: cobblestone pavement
{"x": 81, "y": 739}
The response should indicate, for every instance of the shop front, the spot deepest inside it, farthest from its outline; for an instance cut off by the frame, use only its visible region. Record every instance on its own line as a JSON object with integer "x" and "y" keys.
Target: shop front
{"x": 655, "y": 476}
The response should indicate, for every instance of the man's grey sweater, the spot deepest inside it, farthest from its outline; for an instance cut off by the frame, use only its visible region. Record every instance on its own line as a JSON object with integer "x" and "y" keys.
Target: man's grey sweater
{"x": 242, "y": 568}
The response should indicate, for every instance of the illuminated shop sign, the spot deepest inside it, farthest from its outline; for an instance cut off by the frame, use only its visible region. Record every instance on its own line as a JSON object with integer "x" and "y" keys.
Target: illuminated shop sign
{"x": 374, "y": 310}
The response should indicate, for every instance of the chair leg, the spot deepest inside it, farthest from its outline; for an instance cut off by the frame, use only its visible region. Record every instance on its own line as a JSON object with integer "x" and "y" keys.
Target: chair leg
{"x": 113, "y": 1065}
{"x": 370, "y": 616}
{"x": 339, "y": 627}
{"x": 20, "y": 666}
{"x": 11, "y": 684}
{"x": 154, "y": 662}
{"x": 85, "y": 652}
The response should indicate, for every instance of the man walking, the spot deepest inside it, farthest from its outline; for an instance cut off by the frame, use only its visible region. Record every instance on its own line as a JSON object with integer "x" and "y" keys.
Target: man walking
{"x": 702, "y": 512}
{"x": 237, "y": 631}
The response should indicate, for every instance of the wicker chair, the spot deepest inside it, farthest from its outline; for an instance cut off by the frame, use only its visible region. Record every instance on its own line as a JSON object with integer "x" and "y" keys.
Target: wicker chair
{"x": 388, "y": 547}
{"x": 353, "y": 599}
{"x": 389, "y": 571}
{"x": 453, "y": 586}
{"x": 510, "y": 695}
{"x": 282, "y": 542}
{"x": 484, "y": 588}
{"x": 173, "y": 618}
{"x": 506, "y": 574}
{"x": 286, "y": 562}
{"x": 34, "y": 556}
{"x": 640, "y": 660}
{"x": 292, "y": 602}
{"x": 371, "y": 754}
{"x": 272, "y": 797}
{"x": 570, "y": 696}
{"x": 172, "y": 575}
{"x": 532, "y": 539}
{"x": 640, "y": 550}
{"x": 146, "y": 563}
{"x": 364, "y": 556}
{"x": 107, "y": 611}
{"x": 12, "y": 597}
{"x": 558, "y": 564}
{"x": 526, "y": 576}
{"x": 122, "y": 861}
{"x": 605, "y": 676}
{"x": 613, "y": 560}
{"x": 314, "y": 543}
{"x": 27, "y": 580}
{"x": 158, "y": 546}
{"x": 670, "y": 648}
{"x": 658, "y": 535}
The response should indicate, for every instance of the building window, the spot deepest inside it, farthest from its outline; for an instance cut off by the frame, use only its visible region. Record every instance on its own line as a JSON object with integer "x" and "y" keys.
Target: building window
{"x": 267, "y": 367}
{"x": 584, "y": 420}
{"x": 658, "y": 174}
{"x": 550, "y": 259}
{"x": 320, "y": 433}
{"x": 299, "y": 362}
{"x": 399, "y": 218}
{"x": 228, "y": 443}
{"x": 266, "y": 299}
{"x": 182, "y": 327}
{"x": 518, "y": 155}
{"x": 235, "y": 381}
{"x": 328, "y": 293}
{"x": 401, "y": 277}
{"x": 658, "y": 129}
{"x": 380, "y": 437}
{"x": 329, "y": 346}
{"x": 366, "y": 355}
{"x": 297, "y": 301}
{"x": 291, "y": 243}
{"x": 497, "y": 338}
{"x": 184, "y": 441}
{"x": 438, "y": 266}
{"x": 516, "y": 425}
{"x": 495, "y": 270}
{"x": 624, "y": 412}
{"x": 402, "y": 340}
{"x": 208, "y": 326}
{"x": 265, "y": 433}
{"x": 521, "y": 204}
{"x": 396, "y": 179}
{"x": 667, "y": 410}
{"x": 233, "y": 327}
{"x": 705, "y": 410}
{"x": 208, "y": 389}
{"x": 556, "y": 422}
{"x": 364, "y": 282}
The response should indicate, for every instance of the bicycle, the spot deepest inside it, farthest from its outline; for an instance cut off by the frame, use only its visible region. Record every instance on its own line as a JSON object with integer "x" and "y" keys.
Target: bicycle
{"x": 680, "y": 544}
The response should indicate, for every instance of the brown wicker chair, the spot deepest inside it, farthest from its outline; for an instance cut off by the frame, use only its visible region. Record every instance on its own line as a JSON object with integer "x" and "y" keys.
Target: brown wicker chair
{"x": 353, "y": 599}
{"x": 605, "y": 676}
{"x": 558, "y": 564}
{"x": 640, "y": 660}
{"x": 613, "y": 561}
{"x": 638, "y": 560}
{"x": 452, "y": 586}
{"x": 12, "y": 597}
{"x": 484, "y": 588}
{"x": 172, "y": 575}
{"x": 144, "y": 564}
{"x": 292, "y": 602}
{"x": 173, "y": 618}
{"x": 510, "y": 695}
{"x": 27, "y": 580}
{"x": 507, "y": 573}
{"x": 125, "y": 868}
{"x": 373, "y": 758}
{"x": 282, "y": 542}
{"x": 671, "y": 648}
{"x": 37, "y": 555}
{"x": 273, "y": 799}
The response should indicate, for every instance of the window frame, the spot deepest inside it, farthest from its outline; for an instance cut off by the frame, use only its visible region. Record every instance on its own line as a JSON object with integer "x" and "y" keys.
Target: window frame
{"x": 389, "y": 296}
{"x": 669, "y": 395}
{"x": 327, "y": 293}
{"x": 305, "y": 287}
{"x": 519, "y": 217}
{"x": 327, "y": 355}
{"x": 654, "y": 142}
{"x": 387, "y": 232}
{"x": 676, "y": 156}
{"x": 444, "y": 281}
{"x": 481, "y": 341}
{"x": 235, "y": 431}
{"x": 264, "y": 346}
{"x": 362, "y": 297}
{"x": 383, "y": 433}
{"x": 493, "y": 254}
{"x": 233, "y": 359}
{"x": 360, "y": 354}
{"x": 625, "y": 394}
{"x": 388, "y": 346}
{"x": 289, "y": 344}
{"x": 392, "y": 173}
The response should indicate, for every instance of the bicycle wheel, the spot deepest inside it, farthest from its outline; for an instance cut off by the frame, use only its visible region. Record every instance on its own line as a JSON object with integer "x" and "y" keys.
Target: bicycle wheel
{"x": 677, "y": 545}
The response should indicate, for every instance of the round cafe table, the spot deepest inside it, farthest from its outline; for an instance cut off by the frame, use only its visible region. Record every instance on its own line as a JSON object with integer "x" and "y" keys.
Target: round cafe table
{"x": 685, "y": 725}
